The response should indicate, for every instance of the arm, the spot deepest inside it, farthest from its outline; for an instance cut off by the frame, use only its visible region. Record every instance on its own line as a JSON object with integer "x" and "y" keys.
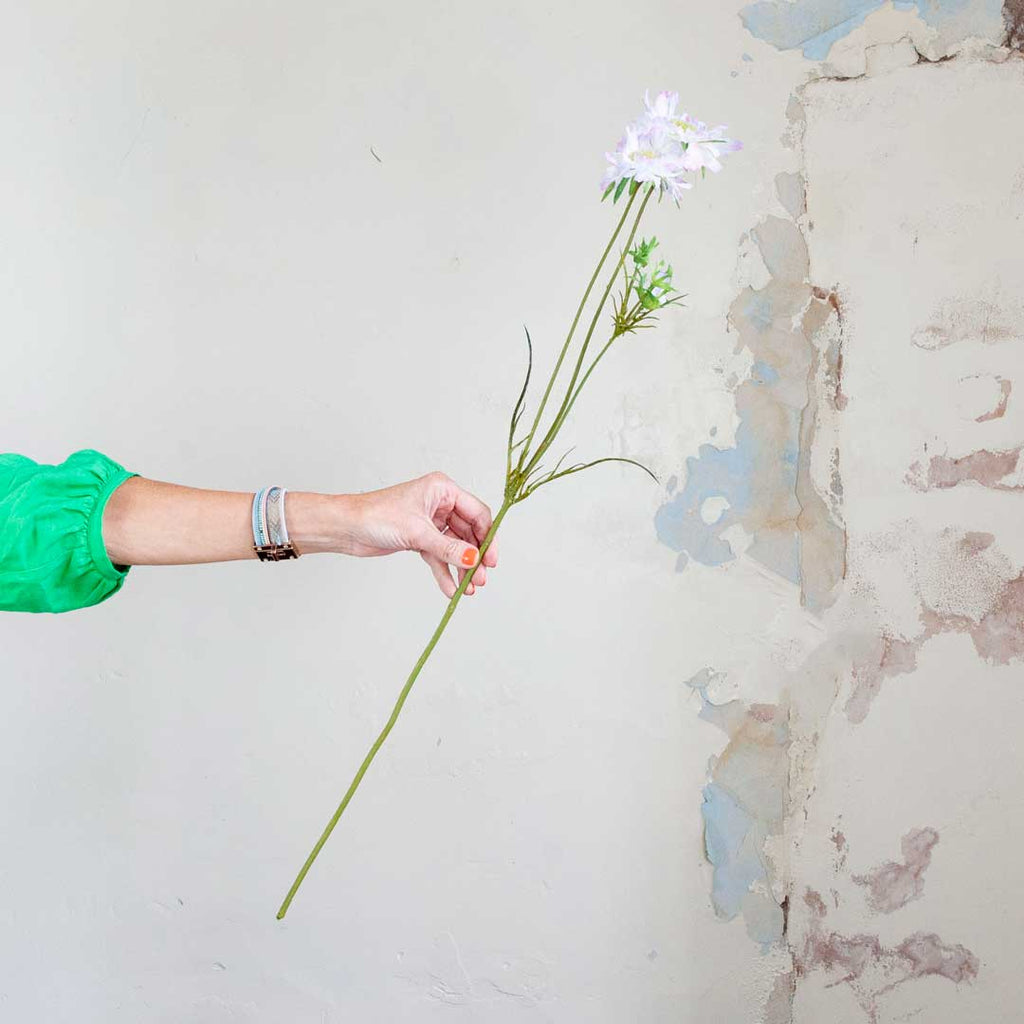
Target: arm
{"x": 147, "y": 522}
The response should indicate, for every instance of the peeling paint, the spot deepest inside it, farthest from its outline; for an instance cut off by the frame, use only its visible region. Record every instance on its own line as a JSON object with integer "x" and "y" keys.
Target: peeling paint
{"x": 779, "y": 1007}
{"x": 893, "y": 656}
{"x": 776, "y": 496}
{"x": 744, "y": 804}
{"x": 993, "y": 469}
{"x": 872, "y": 970}
{"x": 792, "y": 193}
{"x": 969, "y": 586}
{"x": 982, "y": 397}
{"x": 793, "y": 333}
{"x": 838, "y": 840}
{"x": 981, "y": 320}
{"x": 1005, "y": 389}
{"x": 812, "y": 26}
{"x": 894, "y": 885}
{"x": 1013, "y": 19}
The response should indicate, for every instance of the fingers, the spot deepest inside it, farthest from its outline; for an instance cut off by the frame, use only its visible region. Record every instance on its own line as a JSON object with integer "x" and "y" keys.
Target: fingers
{"x": 477, "y": 517}
{"x": 443, "y": 575}
{"x": 451, "y": 500}
{"x": 447, "y": 548}
{"x": 461, "y": 529}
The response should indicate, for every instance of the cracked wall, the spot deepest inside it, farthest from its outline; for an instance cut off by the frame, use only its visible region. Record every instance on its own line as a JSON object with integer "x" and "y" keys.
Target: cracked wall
{"x": 877, "y": 467}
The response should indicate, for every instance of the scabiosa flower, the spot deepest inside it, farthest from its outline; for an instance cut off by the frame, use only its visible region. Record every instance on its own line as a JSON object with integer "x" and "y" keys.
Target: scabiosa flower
{"x": 649, "y": 155}
{"x": 662, "y": 146}
{"x": 701, "y": 144}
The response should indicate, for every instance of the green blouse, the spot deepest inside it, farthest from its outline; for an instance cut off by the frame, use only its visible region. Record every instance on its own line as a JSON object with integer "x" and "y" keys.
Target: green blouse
{"x": 52, "y": 556}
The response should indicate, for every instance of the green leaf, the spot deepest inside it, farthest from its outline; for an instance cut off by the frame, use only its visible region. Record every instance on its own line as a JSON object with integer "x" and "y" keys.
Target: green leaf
{"x": 518, "y": 410}
{"x": 586, "y": 465}
{"x": 608, "y": 191}
{"x": 634, "y": 185}
{"x": 648, "y": 301}
{"x": 618, "y": 191}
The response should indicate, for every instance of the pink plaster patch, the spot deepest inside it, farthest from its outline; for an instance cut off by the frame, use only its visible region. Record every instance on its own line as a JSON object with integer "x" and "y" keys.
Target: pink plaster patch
{"x": 894, "y": 885}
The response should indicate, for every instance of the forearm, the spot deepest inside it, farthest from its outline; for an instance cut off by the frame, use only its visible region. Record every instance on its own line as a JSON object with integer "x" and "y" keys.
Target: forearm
{"x": 147, "y": 522}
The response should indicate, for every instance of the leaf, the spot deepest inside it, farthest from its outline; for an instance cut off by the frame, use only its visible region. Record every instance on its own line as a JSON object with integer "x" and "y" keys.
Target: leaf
{"x": 518, "y": 410}
{"x": 558, "y": 464}
{"x": 618, "y": 191}
{"x": 608, "y": 191}
{"x": 587, "y": 465}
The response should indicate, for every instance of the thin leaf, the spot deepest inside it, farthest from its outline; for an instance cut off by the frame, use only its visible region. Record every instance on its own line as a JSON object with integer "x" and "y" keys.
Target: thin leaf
{"x": 558, "y": 464}
{"x": 618, "y": 191}
{"x": 588, "y": 465}
{"x": 608, "y": 191}
{"x": 527, "y": 486}
{"x": 518, "y": 410}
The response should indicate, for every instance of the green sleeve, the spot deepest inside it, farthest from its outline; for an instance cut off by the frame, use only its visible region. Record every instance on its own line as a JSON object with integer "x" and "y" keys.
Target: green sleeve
{"x": 52, "y": 556}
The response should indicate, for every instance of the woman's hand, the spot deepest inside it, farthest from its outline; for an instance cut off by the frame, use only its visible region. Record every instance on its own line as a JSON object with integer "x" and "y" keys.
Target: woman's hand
{"x": 148, "y": 522}
{"x": 431, "y": 515}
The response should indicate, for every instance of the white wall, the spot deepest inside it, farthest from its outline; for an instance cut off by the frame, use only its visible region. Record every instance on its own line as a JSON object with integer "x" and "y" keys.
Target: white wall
{"x": 189, "y": 197}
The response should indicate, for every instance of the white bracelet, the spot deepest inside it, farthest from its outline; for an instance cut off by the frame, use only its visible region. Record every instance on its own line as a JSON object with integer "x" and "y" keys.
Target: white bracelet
{"x": 269, "y": 528}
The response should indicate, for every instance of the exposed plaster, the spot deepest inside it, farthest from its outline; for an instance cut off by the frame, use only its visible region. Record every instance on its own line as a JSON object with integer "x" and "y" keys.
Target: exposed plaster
{"x": 1013, "y": 18}
{"x": 786, "y": 458}
{"x": 873, "y": 970}
{"x": 894, "y": 884}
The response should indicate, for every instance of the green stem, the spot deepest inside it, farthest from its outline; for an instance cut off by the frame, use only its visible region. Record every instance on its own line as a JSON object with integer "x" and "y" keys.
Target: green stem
{"x": 378, "y": 743}
{"x": 559, "y": 419}
{"x": 628, "y": 317}
{"x": 590, "y": 370}
{"x": 572, "y": 328}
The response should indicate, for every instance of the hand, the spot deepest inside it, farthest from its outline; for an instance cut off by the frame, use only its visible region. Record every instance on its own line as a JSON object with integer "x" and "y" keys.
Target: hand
{"x": 431, "y": 515}
{"x": 148, "y": 522}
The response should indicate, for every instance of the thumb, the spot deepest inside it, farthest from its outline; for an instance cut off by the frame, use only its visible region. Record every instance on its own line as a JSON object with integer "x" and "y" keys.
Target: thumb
{"x": 448, "y": 548}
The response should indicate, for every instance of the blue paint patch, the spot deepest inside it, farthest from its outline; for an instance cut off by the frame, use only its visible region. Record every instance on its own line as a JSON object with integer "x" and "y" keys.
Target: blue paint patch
{"x": 731, "y": 849}
{"x": 714, "y": 473}
{"x": 729, "y": 473}
{"x": 757, "y": 308}
{"x": 757, "y": 476}
{"x": 812, "y": 26}
{"x": 763, "y": 373}
{"x": 740, "y": 813}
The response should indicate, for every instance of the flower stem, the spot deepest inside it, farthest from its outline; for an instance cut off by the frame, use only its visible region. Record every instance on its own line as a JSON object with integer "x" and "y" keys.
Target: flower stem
{"x": 563, "y": 410}
{"x": 572, "y": 329}
{"x": 378, "y": 743}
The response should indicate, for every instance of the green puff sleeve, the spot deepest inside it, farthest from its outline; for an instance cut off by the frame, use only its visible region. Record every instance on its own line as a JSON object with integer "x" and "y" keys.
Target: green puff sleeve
{"x": 52, "y": 556}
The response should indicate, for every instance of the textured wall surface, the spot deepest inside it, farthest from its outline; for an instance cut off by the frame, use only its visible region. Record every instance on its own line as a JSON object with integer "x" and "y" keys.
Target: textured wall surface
{"x": 739, "y": 748}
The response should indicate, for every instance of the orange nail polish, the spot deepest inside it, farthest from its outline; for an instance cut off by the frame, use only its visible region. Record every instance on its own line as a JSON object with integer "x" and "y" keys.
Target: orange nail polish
{"x": 469, "y": 557}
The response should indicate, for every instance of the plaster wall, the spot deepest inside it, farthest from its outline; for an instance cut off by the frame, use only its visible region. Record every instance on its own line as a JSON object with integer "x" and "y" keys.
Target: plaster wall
{"x": 665, "y": 768}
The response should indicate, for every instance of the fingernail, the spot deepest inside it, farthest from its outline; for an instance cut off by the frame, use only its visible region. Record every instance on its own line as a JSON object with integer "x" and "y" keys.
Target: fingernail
{"x": 469, "y": 556}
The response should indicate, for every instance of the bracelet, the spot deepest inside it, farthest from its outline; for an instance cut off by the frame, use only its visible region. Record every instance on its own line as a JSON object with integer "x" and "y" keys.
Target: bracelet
{"x": 269, "y": 526}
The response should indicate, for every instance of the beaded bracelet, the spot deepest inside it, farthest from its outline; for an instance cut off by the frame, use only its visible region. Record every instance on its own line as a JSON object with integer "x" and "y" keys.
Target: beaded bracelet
{"x": 269, "y": 526}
